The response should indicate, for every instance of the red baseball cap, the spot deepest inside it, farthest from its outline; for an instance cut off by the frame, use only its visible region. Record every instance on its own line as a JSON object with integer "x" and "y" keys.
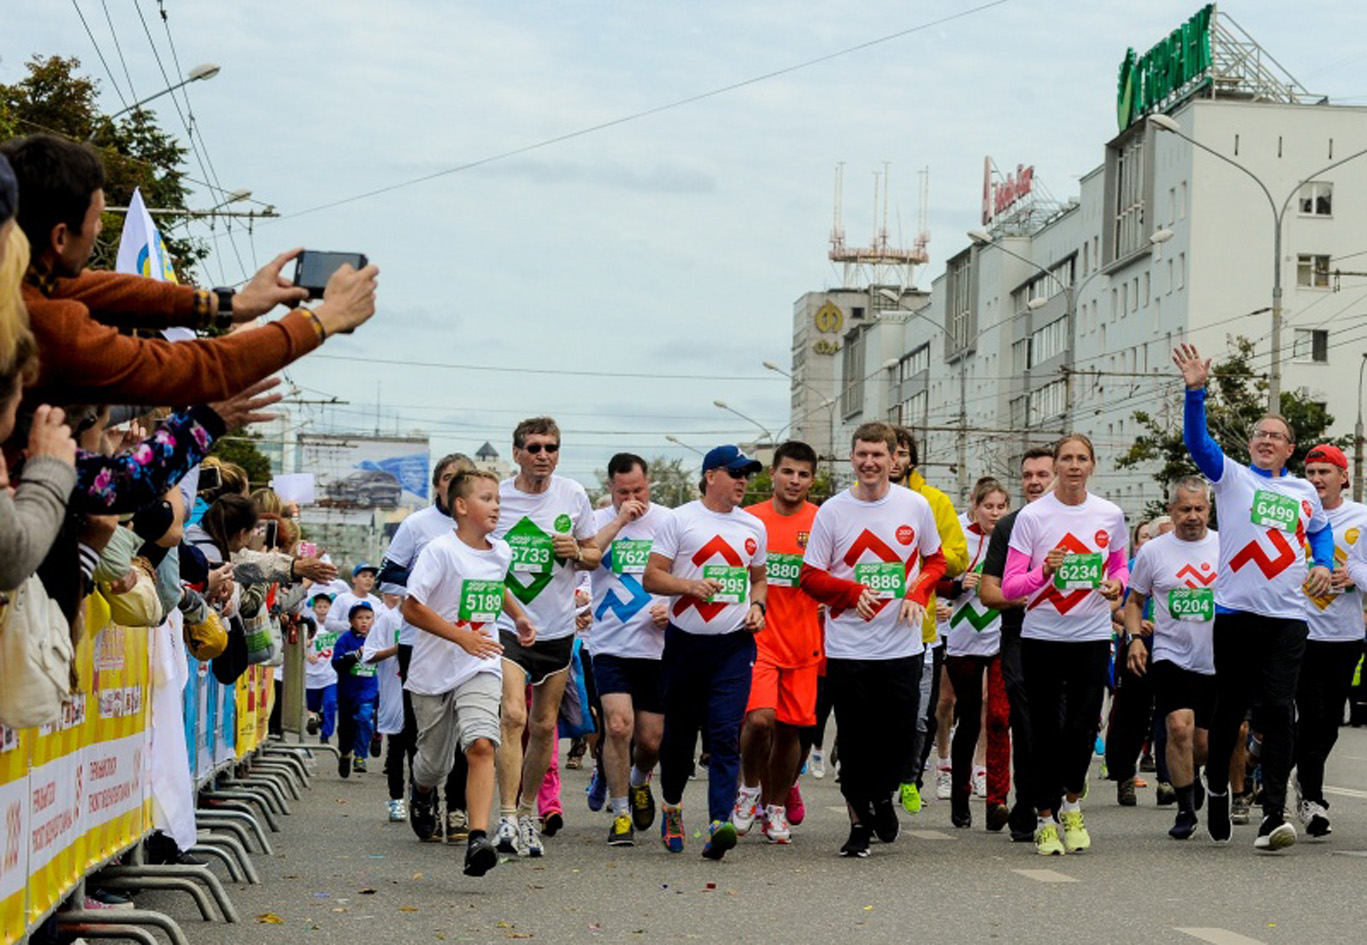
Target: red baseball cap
{"x": 1326, "y": 453}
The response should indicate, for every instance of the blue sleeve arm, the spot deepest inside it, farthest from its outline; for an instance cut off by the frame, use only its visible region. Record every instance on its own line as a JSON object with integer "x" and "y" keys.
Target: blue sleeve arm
{"x": 392, "y": 573}
{"x": 1322, "y": 547}
{"x": 1210, "y": 459}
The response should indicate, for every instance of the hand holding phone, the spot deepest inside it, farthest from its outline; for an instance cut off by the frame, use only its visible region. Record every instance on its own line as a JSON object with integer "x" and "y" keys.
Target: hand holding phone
{"x": 315, "y": 268}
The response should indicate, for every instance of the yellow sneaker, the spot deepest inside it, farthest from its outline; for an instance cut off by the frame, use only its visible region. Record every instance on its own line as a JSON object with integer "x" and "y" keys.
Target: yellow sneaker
{"x": 1047, "y": 842}
{"x": 1075, "y": 836}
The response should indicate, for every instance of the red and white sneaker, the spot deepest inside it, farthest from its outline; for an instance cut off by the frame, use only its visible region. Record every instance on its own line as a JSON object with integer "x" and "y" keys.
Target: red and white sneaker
{"x": 746, "y": 811}
{"x": 776, "y": 825}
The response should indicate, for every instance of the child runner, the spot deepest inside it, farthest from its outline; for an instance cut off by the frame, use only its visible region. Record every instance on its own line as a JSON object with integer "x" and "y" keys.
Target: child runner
{"x": 357, "y": 690}
{"x": 381, "y": 649}
{"x": 320, "y": 679}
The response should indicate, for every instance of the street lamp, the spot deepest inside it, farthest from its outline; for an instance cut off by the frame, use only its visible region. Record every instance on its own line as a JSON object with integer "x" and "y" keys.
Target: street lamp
{"x": 198, "y": 74}
{"x": 1357, "y": 438}
{"x": 723, "y": 405}
{"x": 824, "y": 403}
{"x": 1274, "y": 381}
{"x": 678, "y": 442}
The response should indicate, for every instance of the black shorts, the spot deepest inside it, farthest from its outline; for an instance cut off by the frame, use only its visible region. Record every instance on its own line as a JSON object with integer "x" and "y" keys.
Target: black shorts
{"x": 1176, "y": 688}
{"x": 642, "y": 679}
{"x": 542, "y": 659}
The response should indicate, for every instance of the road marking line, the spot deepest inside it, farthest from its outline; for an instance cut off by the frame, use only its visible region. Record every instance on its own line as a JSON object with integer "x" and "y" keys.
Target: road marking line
{"x": 1350, "y": 852}
{"x": 1046, "y": 876}
{"x": 842, "y": 809}
{"x": 1220, "y": 937}
{"x": 1345, "y": 792}
{"x": 928, "y": 834}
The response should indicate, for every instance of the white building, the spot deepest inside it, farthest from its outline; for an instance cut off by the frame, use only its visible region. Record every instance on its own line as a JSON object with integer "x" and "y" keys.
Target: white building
{"x": 1065, "y": 317}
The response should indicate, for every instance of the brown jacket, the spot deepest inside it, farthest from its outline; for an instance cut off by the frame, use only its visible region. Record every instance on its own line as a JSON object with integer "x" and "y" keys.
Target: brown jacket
{"x": 85, "y": 359}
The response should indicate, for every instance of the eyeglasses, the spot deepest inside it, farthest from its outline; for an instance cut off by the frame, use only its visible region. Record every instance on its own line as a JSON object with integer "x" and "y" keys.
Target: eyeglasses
{"x": 738, "y": 473}
{"x": 535, "y": 448}
{"x": 1271, "y": 435}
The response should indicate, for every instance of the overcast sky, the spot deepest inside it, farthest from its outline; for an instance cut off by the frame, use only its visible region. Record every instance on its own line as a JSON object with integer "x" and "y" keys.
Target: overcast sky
{"x": 674, "y": 244}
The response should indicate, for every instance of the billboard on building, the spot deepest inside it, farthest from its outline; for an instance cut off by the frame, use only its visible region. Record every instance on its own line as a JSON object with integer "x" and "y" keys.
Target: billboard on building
{"x": 357, "y": 472}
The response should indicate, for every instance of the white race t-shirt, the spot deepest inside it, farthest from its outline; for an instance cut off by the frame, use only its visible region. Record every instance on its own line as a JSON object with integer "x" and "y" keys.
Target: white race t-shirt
{"x": 450, "y": 576}
{"x": 337, "y": 621}
{"x": 543, "y": 583}
{"x": 384, "y": 634}
{"x": 1262, "y": 564}
{"x": 974, "y": 628}
{"x": 411, "y": 538}
{"x": 1338, "y": 615}
{"x": 320, "y": 675}
{"x": 1179, "y": 577}
{"x": 1095, "y": 527}
{"x": 622, "y": 625}
{"x": 704, "y": 544}
{"x": 880, "y": 545}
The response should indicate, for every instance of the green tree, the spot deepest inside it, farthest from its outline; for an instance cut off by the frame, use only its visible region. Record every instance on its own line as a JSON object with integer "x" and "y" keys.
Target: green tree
{"x": 672, "y": 482}
{"x": 1235, "y": 400}
{"x": 239, "y": 446}
{"x": 56, "y": 98}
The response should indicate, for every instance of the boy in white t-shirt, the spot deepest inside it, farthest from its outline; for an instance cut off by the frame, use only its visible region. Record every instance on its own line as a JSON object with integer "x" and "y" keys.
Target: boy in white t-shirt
{"x": 456, "y": 592}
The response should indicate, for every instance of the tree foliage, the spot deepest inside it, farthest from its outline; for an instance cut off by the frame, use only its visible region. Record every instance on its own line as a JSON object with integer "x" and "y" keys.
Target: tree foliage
{"x": 674, "y": 482}
{"x": 1236, "y": 399}
{"x": 239, "y": 446}
{"x": 56, "y": 98}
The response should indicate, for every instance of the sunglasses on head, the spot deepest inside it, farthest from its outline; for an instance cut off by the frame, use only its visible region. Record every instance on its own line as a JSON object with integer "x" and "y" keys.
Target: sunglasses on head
{"x": 535, "y": 448}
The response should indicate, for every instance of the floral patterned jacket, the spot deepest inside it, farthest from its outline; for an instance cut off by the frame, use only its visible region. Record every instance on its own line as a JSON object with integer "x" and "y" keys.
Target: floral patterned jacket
{"x": 136, "y": 478}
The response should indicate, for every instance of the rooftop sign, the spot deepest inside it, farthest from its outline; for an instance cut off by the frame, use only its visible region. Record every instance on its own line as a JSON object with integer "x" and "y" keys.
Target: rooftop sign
{"x": 1167, "y": 71}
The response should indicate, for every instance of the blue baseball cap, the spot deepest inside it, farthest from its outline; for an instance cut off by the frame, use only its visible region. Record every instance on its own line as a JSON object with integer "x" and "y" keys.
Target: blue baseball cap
{"x": 730, "y": 457}
{"x": 362, "y": 605}
{"x": 363, "y": 566}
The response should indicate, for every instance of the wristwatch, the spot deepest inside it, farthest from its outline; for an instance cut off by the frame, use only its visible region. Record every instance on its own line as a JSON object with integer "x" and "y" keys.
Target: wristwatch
{"x": 760, "y": 604}
{"x": 223, "y": 318}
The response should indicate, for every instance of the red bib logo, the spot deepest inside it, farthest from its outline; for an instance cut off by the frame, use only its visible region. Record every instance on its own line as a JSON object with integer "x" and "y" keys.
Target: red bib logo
{"x": 1305, "y": 506}
{"x": 1102, "y": 539}
{"x": 751, "y": 546}
{"x": 906, "y": 534}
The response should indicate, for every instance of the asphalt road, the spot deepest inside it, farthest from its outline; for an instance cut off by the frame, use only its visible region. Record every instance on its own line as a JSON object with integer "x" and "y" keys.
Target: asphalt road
{"x": 343, "y": 874}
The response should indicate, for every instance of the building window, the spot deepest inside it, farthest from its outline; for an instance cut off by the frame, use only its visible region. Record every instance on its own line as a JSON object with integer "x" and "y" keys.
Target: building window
{"x": 1316, "y": 199}
{"x": 1048, "y": 401}
{"x": 959, "y": 302}
{"x": 912, "y": 411}
{"x": 1049, "y": 341}
{"x": 852, "y": 371}
{"x": 1182, "y": 202}
{"x": 1128, "y": 221}
{"x": 1020, "y": 356}
{"x": 914, "y": 363}
{"x": 1181, "y": 270}
{"x": 1086, "y": 253}
{"x": 1018, "y": 408}
{"x": 1311, "y": 344}
{"x": 1312, "y": 271}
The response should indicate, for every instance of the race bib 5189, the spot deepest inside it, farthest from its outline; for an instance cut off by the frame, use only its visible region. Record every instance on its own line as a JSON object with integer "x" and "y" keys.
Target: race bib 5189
{"x": 481, "y": 601}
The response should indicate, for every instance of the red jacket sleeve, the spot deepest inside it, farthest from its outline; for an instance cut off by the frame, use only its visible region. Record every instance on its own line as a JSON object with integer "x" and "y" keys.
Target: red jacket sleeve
{"x": 118, "y": 298}
{"x": 932, "y": 569}
{"x": 834, "y": 592}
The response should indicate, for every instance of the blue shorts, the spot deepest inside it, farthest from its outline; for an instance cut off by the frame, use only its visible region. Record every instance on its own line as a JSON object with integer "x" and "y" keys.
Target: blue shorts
{"x": 642, "y": 679}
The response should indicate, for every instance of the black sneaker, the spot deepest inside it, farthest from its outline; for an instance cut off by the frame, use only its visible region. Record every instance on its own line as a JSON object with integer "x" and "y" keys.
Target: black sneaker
{"x": 886, "y": 826}
{"x": 1184, "y": 827}
{"x": 1124, "y": 793}
{"x": 344, "y": 766}
{"x": 1022, "y": 823}
{"x": 961, "y": 818}
{"x": 622, "y": 833}
{"x": 1167, "y": 794}
{"x": 480, "y": 857}
{"x": 551, "y": 823}
{"x": 1273, "y": 834}
{"x": 1218, "y": 824}
{"x": 311, "y": 726}
{"x": 359, "y": 766}
{"x": 422, "y": 815}
{"x": 858, "y": 843}
{"x": 376, "y": 745}
{"x": 642, "y": 806}
{"x": 998, "y": 816}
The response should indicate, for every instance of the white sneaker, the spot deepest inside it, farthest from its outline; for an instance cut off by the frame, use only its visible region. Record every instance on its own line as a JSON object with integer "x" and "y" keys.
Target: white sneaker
{"x": 776, "y": 828}
{"x": 398, "y": 811}
{"x": 944, "y": 782}
{"x": 746, "y": 810}
{"x": 816, "y": 764}
{"x": 1314, "y": 817}
{"x": 505, "y": 841}
{"x": 980, "y": 782}
{"x": 529, "y": 836}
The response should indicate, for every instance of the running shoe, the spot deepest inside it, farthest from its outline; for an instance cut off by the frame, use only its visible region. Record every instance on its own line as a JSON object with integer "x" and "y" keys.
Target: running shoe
{"x": 359, "y": 765}
{"x": 1147, "y": 764}
{"x": 1075, "y": 835}
{"x": 376, "y": 745}
{"x": 858, "y": 843}
{"x": 961, "y": 818}
{"x": 1218, "y": 824}
{"x": 480, "y": 857}
{"x": 505, "y": 841}
{"x": 1047, "y": 842}
{"x": 1167, "y": 794}
{"x": 552, "y": 822}
{"x": 1099, "y": 746}
{"x": 746, "y": 810}
{"x": 886, "y": 826}
{"x": 1140, "y": 782}
{"x": 344, "y": 766}
{"x": 980, "y": 782}
{"x": 1241, "y": 805}
{"x": 1274, "y": 833}
{"x": 622, "y": 833}
{"x": 998, "y": 815}
{"x": 98, "y": 898}
{"x": 457, "y": 826}
{"x": 944, "y": 782}
{"x": 672, "y": 829}
{"x": 311, "y": 726}
{"x": 776, "y": 825}
{"x": 1184, "y": 826}
{"x": 1315, "y": 818}
{"x": 721, "y": 836}
{"x": 597, "y": 790}
{"x": 529, "y": 836}
{"x": 795, "y": 810}
{"x": 816, "y": 764}
{"x": 422, "y": 813}
{"x": 575, "y": 758}
{"x": 642, "y": 806}
{"x": 1124, "y": 793}
{"x": 398, "y": 813}
{"x": 910, "y": 795}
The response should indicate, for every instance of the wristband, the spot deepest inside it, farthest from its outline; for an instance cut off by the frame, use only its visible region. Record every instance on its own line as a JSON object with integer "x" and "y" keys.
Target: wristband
{"x": 315, "y": 323}
{"x": 223, "y": 317}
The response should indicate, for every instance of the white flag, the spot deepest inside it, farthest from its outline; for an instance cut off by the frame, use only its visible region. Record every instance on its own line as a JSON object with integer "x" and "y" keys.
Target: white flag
{"x": 141, "y": 248}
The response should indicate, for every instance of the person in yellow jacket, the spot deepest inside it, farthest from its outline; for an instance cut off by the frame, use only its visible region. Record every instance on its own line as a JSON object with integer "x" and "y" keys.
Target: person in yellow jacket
{"x": 955, "y": 549}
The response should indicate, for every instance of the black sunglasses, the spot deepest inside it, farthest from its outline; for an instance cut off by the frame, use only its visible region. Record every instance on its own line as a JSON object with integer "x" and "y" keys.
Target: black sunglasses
{"x": 535, "y": 448}
{"x": 738, "y": 473}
